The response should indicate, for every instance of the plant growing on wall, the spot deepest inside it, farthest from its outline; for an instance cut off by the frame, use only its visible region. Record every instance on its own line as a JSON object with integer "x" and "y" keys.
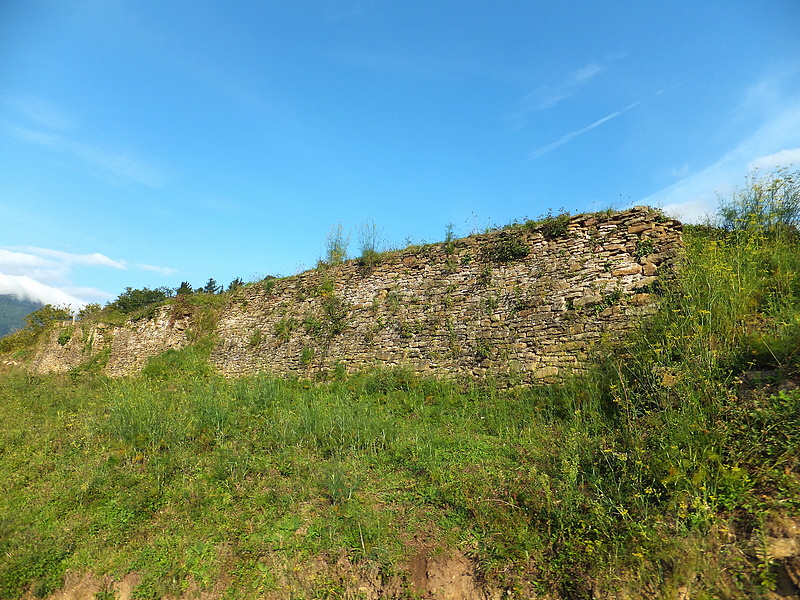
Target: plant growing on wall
{"x": 551, "y": 226}
{"x": 336, "y": 245}
{"x": 336, "y": 312}
{"x": 449, "y": 239}
{"x": 65, "y": 335}
{"x": 369, "y": 244}
{"x": 644, "y": 248}
{"x": 284, "y": 328}
{"x": 506, "y": 247}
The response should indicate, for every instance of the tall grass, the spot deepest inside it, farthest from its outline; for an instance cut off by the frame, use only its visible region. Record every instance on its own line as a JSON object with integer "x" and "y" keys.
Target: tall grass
{"x": 617, "y": 479}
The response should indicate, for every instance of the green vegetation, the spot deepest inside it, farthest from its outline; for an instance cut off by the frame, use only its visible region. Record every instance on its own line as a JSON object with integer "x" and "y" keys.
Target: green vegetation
{"x": 336, "y": 246}
{"x": 370, "y": 241}
{"x": 134, "y": 299}
{"x": 551, "y": 226}
{"x": 507, "y": 247}
{"x": 665, "y": 467}
{"x": 36, "y": 324}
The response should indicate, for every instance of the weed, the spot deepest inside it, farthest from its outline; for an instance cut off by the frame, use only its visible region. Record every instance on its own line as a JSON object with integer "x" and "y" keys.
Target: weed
{"x": 483, "y": 349}
{"x": 336, "y": 486}
{"x": 506, "y": 247}
{"x": 369, "y": 243}
{"x": 644, "y": 247}
{"x": 551, "y": 226}
{"x": 484, "y": 278}
{"x": 65, "y": 335}
{"x": 284, "y": 328}
{"x": 256, "y": 338}
{"x": 336, "y": 312}
{"x": 306, "y": 356}
{"x": 393, "y": 300}
{"x": 449, "y": 239}
{"x": 336, "y": 245}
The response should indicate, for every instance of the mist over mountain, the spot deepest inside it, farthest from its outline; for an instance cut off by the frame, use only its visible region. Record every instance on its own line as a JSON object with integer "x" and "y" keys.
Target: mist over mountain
{"x": 13, "y": 312}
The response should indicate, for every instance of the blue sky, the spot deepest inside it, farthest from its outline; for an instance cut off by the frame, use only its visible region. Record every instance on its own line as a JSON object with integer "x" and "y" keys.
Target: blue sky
{"x": 144, "y": 143}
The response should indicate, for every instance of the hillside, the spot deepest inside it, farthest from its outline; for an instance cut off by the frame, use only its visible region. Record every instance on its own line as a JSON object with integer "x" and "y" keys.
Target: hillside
{"x": 668, "y": 468}
{"x": 13, "y": 312}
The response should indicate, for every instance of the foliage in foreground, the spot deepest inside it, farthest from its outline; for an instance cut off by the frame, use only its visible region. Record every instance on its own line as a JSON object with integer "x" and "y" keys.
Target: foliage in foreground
{"x": 628, "y": 477}
{"x": 184, "y": 476}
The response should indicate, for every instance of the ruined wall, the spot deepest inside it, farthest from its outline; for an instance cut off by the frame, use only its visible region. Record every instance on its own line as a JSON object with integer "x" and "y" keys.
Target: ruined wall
{"x": 123, "y": 349}
{"x": 526, "y": 304}
{"x": 461, "y": 309}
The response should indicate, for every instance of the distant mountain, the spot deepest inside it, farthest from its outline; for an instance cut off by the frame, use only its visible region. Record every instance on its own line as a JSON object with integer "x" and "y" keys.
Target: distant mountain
{"x": 13, "y": 312}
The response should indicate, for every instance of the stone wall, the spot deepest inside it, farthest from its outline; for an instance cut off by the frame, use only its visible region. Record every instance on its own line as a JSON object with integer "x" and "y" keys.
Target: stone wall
{"x": 124, "y": 349}
{"x": 526, "y": 304}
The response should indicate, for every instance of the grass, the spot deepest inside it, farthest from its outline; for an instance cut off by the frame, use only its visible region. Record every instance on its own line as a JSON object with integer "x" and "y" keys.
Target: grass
{"x": 624, "y": 478}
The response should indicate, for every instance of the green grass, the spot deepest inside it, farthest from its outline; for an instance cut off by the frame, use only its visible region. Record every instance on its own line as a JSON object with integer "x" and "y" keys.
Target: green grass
{"x": 623, "y": 478}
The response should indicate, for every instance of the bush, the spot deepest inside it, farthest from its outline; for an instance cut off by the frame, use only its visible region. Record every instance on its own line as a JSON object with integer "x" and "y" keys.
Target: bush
{"x": 131, "y": 300}
{"x": 336, "y": 245}
{"x": 46, "y": 316}
{"x": 506, "y": 248}
{"x": 551, "y": 227}
{"x": 768, "y": 203}
{"x": 369, "y": 242}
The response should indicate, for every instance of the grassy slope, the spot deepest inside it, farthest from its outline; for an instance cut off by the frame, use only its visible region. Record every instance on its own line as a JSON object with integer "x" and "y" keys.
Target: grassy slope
{"x": 627, "y": 477}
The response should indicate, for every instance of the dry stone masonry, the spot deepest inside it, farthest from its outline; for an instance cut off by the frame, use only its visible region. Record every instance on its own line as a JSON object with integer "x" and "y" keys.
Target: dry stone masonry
{"x": 517, "y": 305}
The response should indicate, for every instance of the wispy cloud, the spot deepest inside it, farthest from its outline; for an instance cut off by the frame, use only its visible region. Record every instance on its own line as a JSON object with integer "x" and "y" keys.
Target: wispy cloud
{"x": 39, "y": 111}
{"x": 46, "y": 127}
{"x": 547, "y": 96}
{"x": 166, "y": 271}
{"x": 775, "y": 143}
{"x": 95, "y": 259}
{"x": 573, "y": 134}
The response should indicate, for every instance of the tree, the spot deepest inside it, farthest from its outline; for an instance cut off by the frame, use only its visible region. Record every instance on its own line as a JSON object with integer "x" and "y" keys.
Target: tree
{"x": 185, "y": 289}
{"x": 45, "y": 316}
{"x": 211, "y": 287}
{"x": 235, "y": 284}
{"x": 768, "y": 203}
{"x": 131, "y": 299}
{"x": 88, "y": 311}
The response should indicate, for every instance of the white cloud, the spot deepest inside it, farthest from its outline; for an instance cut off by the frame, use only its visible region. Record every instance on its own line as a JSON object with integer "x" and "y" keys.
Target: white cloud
{"x": 166, "y": 271}
{"x": 26, "y": 288}
{"x": 573, "y": 134}
{"x": 773, "y": 144}
{"x": 682, "y": 172}
{"x": 547, "y": 96}
{"x": 784, "y": 158}
{"x": 45, "y": 275}
{"x": 95, "y": 259}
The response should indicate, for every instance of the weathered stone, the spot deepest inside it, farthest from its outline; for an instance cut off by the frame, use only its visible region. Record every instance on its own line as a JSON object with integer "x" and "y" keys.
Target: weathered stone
{"x": 640, "y": 227}
{"x": 440, "y": 314}
{"x": 627, "y": 270}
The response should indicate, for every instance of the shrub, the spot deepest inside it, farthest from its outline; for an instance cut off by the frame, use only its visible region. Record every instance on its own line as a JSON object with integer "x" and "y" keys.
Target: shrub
{"x": 336, "y": 245}
{"x": 132, "y": 299}
{"x": 369, "y": 243}
{"x": 768, "y": 203}
{"x": 46, "y": 316}
{"x": 507, "y": 247}
{"x": 550, "y": 226}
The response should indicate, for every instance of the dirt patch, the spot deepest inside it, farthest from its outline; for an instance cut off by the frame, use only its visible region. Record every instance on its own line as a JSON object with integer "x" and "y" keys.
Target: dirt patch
{"x": 86, "y": 587}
